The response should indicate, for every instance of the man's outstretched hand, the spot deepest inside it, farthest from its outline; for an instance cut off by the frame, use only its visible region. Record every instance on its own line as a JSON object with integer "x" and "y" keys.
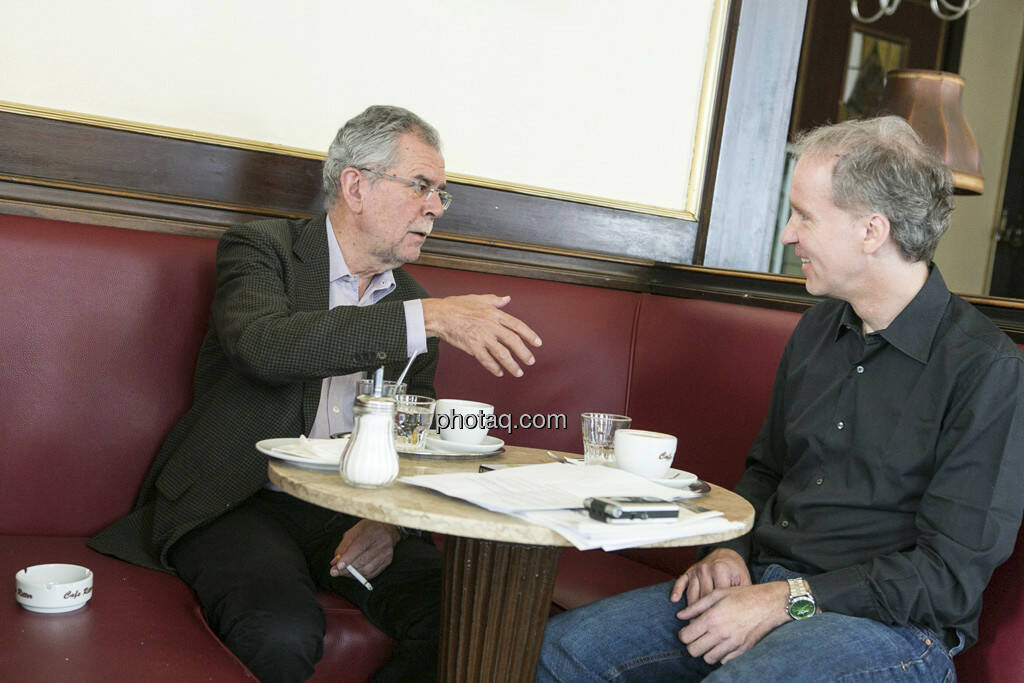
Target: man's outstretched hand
{"x": 475, "y": 323}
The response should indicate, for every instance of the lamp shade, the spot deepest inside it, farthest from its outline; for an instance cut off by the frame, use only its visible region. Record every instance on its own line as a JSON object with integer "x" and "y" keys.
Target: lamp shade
{"x": 931, "y": 102}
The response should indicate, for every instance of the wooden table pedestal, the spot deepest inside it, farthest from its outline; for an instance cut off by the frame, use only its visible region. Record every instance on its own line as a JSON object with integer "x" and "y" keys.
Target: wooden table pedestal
{"x": 475, "y": 646}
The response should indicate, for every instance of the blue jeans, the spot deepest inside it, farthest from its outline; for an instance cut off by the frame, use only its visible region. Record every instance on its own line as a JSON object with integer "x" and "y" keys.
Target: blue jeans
{"x": 635, "y": 637}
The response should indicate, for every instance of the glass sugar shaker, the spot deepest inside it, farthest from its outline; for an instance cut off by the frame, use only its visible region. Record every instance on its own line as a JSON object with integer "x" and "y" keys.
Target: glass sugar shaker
{"x": 371, "y": 461}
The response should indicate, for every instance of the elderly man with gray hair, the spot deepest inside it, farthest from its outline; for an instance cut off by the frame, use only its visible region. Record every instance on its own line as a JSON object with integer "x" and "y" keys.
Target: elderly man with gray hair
{"x": 886, "y": 477}
{"x": 302, "y": 309}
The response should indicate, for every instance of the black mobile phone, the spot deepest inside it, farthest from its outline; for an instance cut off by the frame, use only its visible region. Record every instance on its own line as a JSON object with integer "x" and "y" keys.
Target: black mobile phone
{"x": 631, "y": 509}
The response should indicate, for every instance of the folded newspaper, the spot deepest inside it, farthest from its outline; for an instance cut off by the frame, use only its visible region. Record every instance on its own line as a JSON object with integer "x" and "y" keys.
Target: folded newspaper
{"x": 552, "y": 495}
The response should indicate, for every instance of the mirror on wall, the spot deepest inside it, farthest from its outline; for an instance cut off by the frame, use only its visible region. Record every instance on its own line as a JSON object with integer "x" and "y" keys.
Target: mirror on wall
{"x": 842, "y": 76}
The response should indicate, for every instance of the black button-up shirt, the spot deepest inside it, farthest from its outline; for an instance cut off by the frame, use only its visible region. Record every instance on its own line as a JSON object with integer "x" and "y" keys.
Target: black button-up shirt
{"x": 890, "y": 466}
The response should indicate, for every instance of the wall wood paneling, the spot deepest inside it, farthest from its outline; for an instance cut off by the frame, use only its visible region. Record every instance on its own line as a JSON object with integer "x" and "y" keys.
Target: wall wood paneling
{"x": 90, "y": 174}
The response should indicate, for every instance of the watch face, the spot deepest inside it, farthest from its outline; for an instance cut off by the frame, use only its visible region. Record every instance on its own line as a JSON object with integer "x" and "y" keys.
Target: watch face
{"x": 801, "y": 608}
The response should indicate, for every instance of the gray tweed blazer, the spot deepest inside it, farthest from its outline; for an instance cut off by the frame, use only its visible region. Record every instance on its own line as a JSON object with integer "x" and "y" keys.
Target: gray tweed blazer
{"x": 272, "y": 339}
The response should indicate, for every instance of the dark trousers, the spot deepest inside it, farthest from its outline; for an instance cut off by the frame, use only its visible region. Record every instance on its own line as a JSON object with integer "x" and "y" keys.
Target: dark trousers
{"x": 256, "y": 569}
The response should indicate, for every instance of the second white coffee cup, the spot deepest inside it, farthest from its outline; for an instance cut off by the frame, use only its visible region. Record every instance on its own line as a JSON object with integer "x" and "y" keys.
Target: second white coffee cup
{"x": 648, "y": 454}
{"x": 462, "y": 421}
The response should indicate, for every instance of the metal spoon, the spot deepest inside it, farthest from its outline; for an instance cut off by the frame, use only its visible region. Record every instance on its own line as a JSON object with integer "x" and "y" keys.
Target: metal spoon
{"x": 559, "y": 458}
{"x": 408, "y": 365}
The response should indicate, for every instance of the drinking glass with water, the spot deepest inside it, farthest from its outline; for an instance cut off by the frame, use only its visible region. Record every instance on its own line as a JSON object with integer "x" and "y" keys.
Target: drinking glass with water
{"x": 599, "y": 436}
{"x": 413, "y": 415}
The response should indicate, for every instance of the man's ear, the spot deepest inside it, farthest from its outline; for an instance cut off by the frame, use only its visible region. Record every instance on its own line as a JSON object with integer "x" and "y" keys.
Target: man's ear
{"x": 350, "y": 189}
{"x": 876, "y": 232}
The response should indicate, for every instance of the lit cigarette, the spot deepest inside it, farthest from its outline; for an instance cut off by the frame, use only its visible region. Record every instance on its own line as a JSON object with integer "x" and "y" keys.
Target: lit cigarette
{"x": 359, "y": 577}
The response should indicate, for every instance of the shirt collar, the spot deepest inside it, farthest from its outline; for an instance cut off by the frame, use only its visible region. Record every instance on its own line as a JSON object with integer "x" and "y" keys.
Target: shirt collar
{"x": 338, "y": 269}
{"x": 913, "y": 330}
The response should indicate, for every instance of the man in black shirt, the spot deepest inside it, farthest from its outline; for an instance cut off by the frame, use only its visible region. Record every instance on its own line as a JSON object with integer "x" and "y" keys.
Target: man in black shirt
{"x": 886, "y": 477}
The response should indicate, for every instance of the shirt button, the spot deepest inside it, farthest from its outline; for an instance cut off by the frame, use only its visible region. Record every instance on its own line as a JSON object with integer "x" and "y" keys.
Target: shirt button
{"x": 784, "y": 524}
{"x": 819, "y": 481}
{"x": 840, "y": 425}
{"x": 860, "y": 369}
{"x": 335, "y": 409}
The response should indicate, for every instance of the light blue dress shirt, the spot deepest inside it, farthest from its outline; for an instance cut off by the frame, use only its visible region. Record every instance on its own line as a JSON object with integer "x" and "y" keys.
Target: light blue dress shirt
{"x": 334, "y": 414}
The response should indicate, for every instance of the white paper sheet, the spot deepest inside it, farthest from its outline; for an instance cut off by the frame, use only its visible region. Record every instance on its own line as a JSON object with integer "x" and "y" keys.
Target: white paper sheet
{"x": 553, "y": 486}
{"x": 552, "y": 495}
{"x": 585, "y": 533}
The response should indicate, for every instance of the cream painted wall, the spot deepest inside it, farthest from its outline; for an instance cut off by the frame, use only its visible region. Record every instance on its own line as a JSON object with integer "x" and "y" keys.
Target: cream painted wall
{"x": 593, "y": 97}
{"x": 990, "y": 65}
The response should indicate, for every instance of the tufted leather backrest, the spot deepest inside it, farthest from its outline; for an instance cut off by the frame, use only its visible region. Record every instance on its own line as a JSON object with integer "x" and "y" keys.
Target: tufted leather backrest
{"x": 100, "y": 329}
{"x": 723, "y": 359}
{"x": 997, "y": 656}
{"x": 100, "y": 333}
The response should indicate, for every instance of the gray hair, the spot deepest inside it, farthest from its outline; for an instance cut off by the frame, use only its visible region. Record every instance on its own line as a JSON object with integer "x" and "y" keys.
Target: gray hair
{"x": 370, "y": 140}
{"x": 884, "y": 167}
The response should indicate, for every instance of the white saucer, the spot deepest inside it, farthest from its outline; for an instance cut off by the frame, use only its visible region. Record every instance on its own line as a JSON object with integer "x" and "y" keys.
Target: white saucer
{"x": 276, "y": 448}
{"x": 677, "y": 479}
{"x": 488, "y": 445}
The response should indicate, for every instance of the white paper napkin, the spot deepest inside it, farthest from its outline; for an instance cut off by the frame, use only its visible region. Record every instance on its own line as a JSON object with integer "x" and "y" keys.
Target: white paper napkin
{"x": 324, "y": 450}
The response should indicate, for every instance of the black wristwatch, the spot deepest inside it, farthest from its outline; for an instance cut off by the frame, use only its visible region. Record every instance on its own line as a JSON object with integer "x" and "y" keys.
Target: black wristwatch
{"x": 801, "y": 602}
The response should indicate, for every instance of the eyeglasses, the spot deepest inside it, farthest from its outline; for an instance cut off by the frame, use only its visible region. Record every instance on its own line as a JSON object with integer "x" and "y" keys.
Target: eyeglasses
{"x": 422, "y": 190}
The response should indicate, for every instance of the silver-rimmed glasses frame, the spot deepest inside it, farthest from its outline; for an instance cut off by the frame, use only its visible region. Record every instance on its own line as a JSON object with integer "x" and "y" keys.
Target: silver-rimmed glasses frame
{"x": 423, "y": 190}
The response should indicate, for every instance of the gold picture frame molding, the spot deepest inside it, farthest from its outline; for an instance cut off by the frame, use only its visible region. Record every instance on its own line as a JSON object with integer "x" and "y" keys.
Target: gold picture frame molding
{"x": 695, "y": 184}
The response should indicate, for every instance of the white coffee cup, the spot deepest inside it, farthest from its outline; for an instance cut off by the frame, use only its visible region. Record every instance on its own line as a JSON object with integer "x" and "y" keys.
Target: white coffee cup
{"x": 648, "y": 454}
{"x": 462, "y": 421}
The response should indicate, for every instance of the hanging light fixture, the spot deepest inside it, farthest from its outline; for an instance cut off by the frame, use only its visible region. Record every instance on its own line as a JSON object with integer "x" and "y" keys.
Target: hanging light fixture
{"x": 947, "y": 10}
{"x": 930, "y": 102}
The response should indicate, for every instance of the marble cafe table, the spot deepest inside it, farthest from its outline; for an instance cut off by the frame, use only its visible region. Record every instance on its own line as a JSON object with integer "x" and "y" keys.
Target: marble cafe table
{"x": 499, "y": 570}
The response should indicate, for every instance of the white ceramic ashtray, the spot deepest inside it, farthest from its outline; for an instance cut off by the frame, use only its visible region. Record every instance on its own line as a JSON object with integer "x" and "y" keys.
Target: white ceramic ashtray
{"x": 53, "y": 588}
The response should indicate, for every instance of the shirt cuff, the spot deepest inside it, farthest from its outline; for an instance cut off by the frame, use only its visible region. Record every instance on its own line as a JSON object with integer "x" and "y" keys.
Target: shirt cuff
{"x": 845, "y": 591}
{"x": 415, "y": 328}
